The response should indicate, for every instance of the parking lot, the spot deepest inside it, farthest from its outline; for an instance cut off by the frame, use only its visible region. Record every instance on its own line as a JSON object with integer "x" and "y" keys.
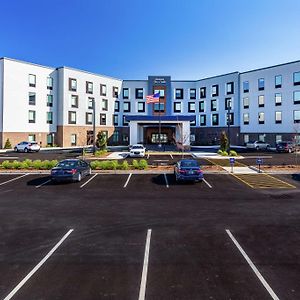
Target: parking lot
{"x": 147, "y": 237}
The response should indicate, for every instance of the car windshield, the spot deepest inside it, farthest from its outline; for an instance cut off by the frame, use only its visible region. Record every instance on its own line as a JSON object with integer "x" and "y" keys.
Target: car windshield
{"x": 67, "y": 164}
{"x": 189, "y": 163}
{"x": 282, "y": 144}
{"x": 137, "y": 147}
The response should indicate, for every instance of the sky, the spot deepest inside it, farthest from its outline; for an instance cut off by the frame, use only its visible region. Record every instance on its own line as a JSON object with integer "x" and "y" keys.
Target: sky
{"x": 131, "y": 39}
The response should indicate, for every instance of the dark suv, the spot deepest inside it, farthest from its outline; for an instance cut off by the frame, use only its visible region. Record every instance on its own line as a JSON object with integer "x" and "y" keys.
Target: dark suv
{"x": 285, "y": 147}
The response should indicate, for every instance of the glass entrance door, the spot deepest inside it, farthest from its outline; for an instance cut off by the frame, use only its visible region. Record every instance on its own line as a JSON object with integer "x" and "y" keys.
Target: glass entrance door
{"x": 155, "y": 138}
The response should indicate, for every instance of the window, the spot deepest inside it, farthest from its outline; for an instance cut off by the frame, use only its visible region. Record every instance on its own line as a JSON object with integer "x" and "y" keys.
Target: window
{"x": 297, "y": 78}
{"x": 230, "y": 88}
{"x": 261, "y": 84}
{"x": 215, "y": 119}
{"x": 88, "y": 118}
{"x": 202, "y": 120}
{"x": 72, "y": 117}
{"x": 31, "y": 138}
{"x": 116, "y": 120}
{"x": 102, "y": 90}
{"x": 89, "y": 87}
{"x": 246, "y": 138}
{"x": 278, "y": 138}
{"x": 125, "y": 123}
{"x": 192, "y": 137}
{"x": 246, "y": 119}
{"x": 72, "y": 84}
{"x": 297, "y": 97}
{"x": 203, "y": 92}
{"x": 74, "y": 101}
{"x": 115, "y": 92}
{"x": 191, "y": 107}
{"x": 90, "y": 103}
{"x": 125, "y": 137}
{"x": 32, "y": 80}
{"x": 278, "y": 99}
{"x": 261, "y": 101}
{"x": 178, "y": 93}
{"x": 31, "y": 116}
{"x": 141, "y": 107}
{"x": 139, "y": 93}
{"x": 73, "y": 139}
{"x": 31, "y": 98}
{"x": 193, "y": 94}
{"x": 125, "y": 93}
{"x": 49, "y": 83}
{"x": 278, "y": 117}
{"x": 117, "y": 106}
{"x": 50, "y": 139}
{"x": 193, "y": 122}
{"x": 296, "y": 116}
{"x": 262, "y": 137}
{"x": 246, "y": 102}
{"x": 159, "y": 107}
{"x": 261, "y": 118}
{"x": 177, "y": 107}
{"x": 102, "y": 119}
{"x": 246, "y": 86}
{"x": 49, "y": 117}
{"x": 201, "y": 106}
{"x": 161, "y": 93}
{"x": 215, "y": 90}
{"x": 228, "y": 103}
{"x": 49, "y": 100}
{"x": 105, "y": 104}
{"x": 278, "y": 81}
{"x": 213, "y": 105}
{"x": 115, "y": 136}
{"x": 230, "y": 116}
{"x": 126, "y": 106}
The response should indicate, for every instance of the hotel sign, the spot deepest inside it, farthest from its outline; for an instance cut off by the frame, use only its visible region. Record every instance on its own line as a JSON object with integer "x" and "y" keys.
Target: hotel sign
{"x": 160, "y": 81}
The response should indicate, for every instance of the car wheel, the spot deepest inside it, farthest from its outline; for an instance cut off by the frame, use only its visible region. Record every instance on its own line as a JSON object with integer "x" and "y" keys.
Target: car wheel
{"x": 290, "y": 150}
{"x": 268, "y": 148}
{"x": 16, "y": 149}
{"x": 25, "y": 150}
{"x": 79, "y": 177}
{"x": 257, "y": 148}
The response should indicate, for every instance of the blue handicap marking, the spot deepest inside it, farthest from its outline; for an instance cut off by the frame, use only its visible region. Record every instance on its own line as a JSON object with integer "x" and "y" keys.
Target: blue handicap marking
{"x": 259, "y": 161}
{"x": 232, "y": 160}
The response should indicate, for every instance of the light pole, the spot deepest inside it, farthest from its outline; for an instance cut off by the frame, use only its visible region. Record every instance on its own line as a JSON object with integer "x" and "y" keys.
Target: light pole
{"x": 94, "y": 126}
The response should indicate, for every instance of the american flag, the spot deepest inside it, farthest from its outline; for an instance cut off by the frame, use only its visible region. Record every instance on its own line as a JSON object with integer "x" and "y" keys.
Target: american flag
{"x": 153, "y": 98}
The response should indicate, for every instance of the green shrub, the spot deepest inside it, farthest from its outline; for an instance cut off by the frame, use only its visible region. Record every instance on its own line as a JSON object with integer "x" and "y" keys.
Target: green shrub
{"x": 232, "y": 153}
{"x": 135, "y": 164}
{"x": 6, "y": 164}
{"x": 220, "y": 152}
{"x": 16, "y": 164}
{"x": 124, "y": 165}
{"x": 94, "y": 164}
{"x": 224, "y": 153}
{"x": 143, "y": 164}
{"x": 36, "y": 164}
{"x": 7, "y": 144}
{"x": 100, "y": 152}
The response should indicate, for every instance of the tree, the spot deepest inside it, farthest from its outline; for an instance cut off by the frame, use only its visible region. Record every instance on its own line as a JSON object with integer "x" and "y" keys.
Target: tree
{"x": 101, "y": 141}
{"x": 223, "y": 141}
{"x": 7, "y": 144}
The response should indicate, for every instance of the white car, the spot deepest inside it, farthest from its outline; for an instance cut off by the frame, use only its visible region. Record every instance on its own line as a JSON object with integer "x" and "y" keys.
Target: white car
{"x": 27, "y": 147}
{"x": 137, "y": 150}
{"x": 258, "y": 145}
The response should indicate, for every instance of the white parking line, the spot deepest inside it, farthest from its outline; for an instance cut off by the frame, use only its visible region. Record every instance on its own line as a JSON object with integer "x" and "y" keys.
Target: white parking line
{"x": 145, "y": 267}
{"x": 15, "y": 290}
{"x": 171, "y": 156}
{"x": 38, "y": 186}
{"x": 255, "y": 270}
{"x": 207, "y": 183}
{"x": 2, "y": 183}
{"x": 166, "y": 179}
{"x": 88, "y": 181}
{"x": 9, "y": 157}
{"x": 148, "y": 156}
{"x": 125, "y": 185}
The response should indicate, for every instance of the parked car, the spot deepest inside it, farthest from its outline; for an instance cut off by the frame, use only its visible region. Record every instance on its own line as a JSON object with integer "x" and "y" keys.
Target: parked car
{"x": 285, "y": 147}
{"x": 137, "y": 150}
{"x": 258, "y": 145}
{"x": 188, "y": 170}
{"x": 70, "y": 170}
{"x": 27, "y": 147}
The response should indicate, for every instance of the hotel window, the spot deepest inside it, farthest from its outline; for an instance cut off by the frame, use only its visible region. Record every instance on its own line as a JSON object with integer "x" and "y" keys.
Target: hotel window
{"x": 261, "y": 118}
{"x": 116, "y": 120}
{"x": 278, "y": 138}
{"x": 213, "y": 105}
{"x": 191, "y": 107}
{"x": 203, "y": 92}
{"x": 102, "y": 90}
{"x": 246, "y": 86}
{"x": 246, "y": 102}
{"x": 89, "y": 87}
{"x": 126, "y": 106}
{"x": 31, "y": 98}
{"x": 73, "y": 139}
{"x": 49, "y": 83}
{"x": 215, "y": 119}
{"x": 117, "y": 106}
{"x": 262, "y": 137}
{"x": 229, "y": 88}
{"x": 178, "y": 93}
{"x": 88, "y": 118}
{"x": 296, "y": 116}
{"x": 49, "y": 117}
{"x": 50, "y": 139}
{"x": 202, "y": 120}
{"x": 72, "y": 117}
{"x": 215, "y": 90}
{"x": 193, "y": 122}
{"x": 90, "y": 103}
{"x": 105, "y": 104}
{"x": 261, "y": 84}
{"x": 201, "y": 106}
{"x": 141, "y": 107}
{"x": 246, "y": 119}
{"x": 296, "y": 97}
{"x": 161, "y": 93}
{"x": 261, "y": 101}
{"x": 31, "y": 138}
{"x": 278, "y": 117}
{"x": 231, "y": 118}
{"x": 32, "y": 80}
{"x": 278, "y": 81}
{"x": 297, "y": 78}
{"x": 115, "y": 92}
{"x": 125, "y": 123}
{"x": 246, "y": 138}
{"x": 102, "y": 119}
{"x": 278, "y": 99}
{"x": 193, "y": 94}
{"x": 115, "y": 136}
{"x": 49, "y": 100}
{"x": 74, "y": 101}
{"x": 228, "y": 103}
{"x": 139, "y": 93}
{"x": 31, "y": 116}
{"x": 125, "y": 93}
{"x": 72, "y": 84}
{"x": 177, "y": 107}
{"x": 159, "y": 107}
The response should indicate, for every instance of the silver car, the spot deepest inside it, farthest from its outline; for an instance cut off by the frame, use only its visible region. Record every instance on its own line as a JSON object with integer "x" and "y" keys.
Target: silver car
{"x": 27, "y": 147}
{"x": 258, "y": 145}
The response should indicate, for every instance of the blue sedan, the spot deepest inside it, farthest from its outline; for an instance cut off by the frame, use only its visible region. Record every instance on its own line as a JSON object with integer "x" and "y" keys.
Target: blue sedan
{"x": 188, "y": 170}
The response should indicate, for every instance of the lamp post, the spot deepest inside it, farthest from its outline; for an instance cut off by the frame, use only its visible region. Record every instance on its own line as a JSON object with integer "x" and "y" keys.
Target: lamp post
{"x": 94, "y": 126}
